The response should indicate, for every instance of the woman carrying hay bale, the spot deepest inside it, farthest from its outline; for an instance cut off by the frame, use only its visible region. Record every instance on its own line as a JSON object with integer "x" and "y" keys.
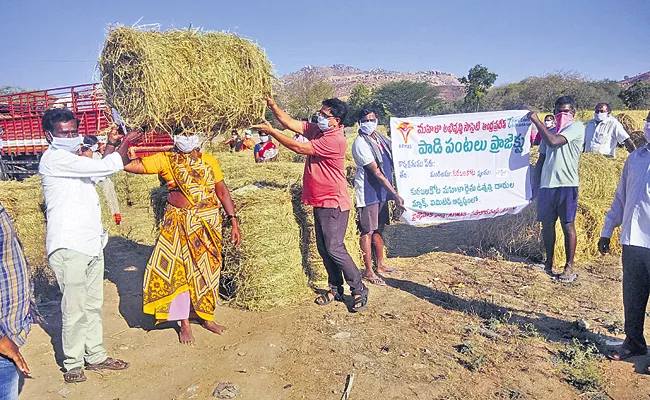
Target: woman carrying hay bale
{"x": 182, "y": 276}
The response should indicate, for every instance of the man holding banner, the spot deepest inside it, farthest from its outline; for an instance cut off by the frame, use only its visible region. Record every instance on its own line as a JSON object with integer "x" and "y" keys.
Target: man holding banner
{"x": 557, "y": 173}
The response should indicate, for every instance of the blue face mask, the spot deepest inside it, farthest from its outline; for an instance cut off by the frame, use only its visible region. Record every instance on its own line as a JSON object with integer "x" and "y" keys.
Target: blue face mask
{"x": 368, "y": 127}
{"x": 323, "y": 124}
{"x": 601, "y": 116}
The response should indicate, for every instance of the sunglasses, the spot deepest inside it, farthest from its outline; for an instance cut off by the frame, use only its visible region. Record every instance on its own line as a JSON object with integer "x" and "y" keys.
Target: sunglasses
{"x": 322, "y": 114}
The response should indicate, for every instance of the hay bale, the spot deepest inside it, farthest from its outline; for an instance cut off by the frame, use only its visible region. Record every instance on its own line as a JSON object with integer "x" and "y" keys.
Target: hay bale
{"x": 638, "y": 138}
{"x": 240, "y": 170}
{"x": 26, "y": 207}
{"x": 207, "y": 82}
{"x": 134, "y": 189}
{"x": 627, "y": 122}
{"x": 521, "y": 234}
{"x": 267, "y": 270}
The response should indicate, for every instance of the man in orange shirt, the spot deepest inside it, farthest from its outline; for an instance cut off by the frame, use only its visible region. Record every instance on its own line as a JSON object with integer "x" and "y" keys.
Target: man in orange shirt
{"x": 326, "y": 189}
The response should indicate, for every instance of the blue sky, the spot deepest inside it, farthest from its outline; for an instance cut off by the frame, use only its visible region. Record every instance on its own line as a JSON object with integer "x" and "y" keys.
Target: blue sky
{"x": 46, "y": 44}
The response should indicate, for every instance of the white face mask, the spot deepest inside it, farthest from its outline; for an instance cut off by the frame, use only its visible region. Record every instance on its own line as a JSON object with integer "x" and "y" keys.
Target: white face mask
{"x": 323, "y": 124}
{"x": 68, "y": 144}
{"x": 264, "y": 139}
{"x": 368, "y": 127}
{"x": 186, "y": 143}
{"x": 549, "y": 124}
{"x": 601, "y": 116}
{"x": 646, "y": 131}
{"x": 94, "y": 147}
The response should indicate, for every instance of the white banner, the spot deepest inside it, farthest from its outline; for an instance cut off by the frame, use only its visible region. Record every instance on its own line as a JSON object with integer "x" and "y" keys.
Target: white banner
{"x": 462, "y": 166}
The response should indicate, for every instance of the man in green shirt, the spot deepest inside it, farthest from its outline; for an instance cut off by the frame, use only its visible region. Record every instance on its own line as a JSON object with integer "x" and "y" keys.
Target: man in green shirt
{"x": 557, "y": 174}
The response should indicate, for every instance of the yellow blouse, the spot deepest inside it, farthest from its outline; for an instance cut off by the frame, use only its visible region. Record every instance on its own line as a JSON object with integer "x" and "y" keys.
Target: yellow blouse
{"x": 159, "y": 164}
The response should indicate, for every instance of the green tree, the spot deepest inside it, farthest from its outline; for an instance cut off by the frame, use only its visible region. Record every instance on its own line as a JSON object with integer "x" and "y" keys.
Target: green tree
{"x": 477, "y": 82}
{"x": 304, "y": 95}
{"x": 540, "y": 92}
{"x": 636, "y": 96}
{"x": 11, "y": 89}
{"x": 360, "y": 97}
{"x": 407, "y": 99}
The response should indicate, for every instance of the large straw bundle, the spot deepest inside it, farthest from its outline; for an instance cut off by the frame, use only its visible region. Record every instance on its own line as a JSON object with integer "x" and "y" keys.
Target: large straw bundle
{"x": 267, "y": 270}
{"x": 207, "y": 82}
{"x": 25, "y": 205}
{"x": 521, "y": 234}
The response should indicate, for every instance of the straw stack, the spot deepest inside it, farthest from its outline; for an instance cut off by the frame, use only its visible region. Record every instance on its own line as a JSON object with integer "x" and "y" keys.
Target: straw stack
{"x": 206, "y": 82}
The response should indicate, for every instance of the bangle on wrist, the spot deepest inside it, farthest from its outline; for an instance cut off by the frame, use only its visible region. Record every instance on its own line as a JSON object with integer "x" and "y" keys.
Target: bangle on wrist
{"x": 231, "y": 217}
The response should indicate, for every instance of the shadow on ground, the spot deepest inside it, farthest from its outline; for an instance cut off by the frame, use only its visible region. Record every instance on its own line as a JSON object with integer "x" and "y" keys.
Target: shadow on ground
{"x": 403, "y": 240}
{"x": 125, "y": 262}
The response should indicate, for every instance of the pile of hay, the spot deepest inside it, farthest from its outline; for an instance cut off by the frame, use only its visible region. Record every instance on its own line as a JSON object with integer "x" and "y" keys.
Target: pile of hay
{"x": 521, "y": 235}
{"x": 207, "y": 82}
{"x": 267, "y": 270}
{"x": 25, "y": 205}
{"x": 134, "y": 189}
{"x": 638, "y": 138}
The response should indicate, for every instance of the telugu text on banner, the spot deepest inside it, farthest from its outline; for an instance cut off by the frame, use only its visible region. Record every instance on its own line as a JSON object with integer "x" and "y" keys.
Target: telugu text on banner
{"x": 462, "y": 166}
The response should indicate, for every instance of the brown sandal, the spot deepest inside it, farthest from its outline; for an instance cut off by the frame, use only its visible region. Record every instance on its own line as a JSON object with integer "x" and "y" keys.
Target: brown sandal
{"x": 75, "y": 375}
{"x": 109, "y": 363}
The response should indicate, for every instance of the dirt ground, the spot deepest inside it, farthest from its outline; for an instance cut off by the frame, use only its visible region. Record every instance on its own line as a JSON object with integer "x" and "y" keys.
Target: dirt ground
{"x": 450, "y": 325}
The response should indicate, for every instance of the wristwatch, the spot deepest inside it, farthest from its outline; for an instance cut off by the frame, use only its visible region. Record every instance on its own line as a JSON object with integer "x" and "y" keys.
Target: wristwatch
{"x": 114, "y": 144}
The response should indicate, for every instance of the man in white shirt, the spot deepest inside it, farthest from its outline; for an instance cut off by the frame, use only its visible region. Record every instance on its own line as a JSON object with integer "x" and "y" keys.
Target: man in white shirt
{"x": 604, "y": 132}
{"x": 373, "y": 188}
{"x": 631, "y": 210}
{"x": 75, "y": 239}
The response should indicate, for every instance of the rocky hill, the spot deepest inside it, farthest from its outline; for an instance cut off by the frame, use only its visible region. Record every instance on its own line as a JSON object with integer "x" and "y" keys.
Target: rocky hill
{"x": 645, "y": 77}
{"x": 344, "y": 78}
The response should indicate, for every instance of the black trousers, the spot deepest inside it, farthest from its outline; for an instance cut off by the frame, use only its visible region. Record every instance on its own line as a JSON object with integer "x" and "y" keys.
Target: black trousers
{"x": 636, "y": 288}
{"x": 330, "y": 225}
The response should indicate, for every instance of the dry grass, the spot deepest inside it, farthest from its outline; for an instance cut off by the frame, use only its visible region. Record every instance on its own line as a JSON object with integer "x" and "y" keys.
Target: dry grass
{"x": 207, "y": 82}
{"x": 267, "y": 270}
{"x": 25, "y": 205}
{"x": 521, "y": 234}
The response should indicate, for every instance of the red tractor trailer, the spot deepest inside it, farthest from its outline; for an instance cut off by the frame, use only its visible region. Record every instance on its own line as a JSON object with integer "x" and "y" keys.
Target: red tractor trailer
{"x": 23, "y": 141}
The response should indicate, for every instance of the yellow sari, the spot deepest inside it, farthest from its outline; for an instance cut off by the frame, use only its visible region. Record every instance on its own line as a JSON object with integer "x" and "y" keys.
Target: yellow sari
{"x": 187, "y": 255}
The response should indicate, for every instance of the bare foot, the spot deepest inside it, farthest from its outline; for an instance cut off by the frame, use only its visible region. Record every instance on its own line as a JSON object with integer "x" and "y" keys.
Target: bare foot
{"x": 185, "y": 335}
{"x": 385, "y": 269}
{"x": 374, "y": 279}
{"x": 213, "y": 327}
